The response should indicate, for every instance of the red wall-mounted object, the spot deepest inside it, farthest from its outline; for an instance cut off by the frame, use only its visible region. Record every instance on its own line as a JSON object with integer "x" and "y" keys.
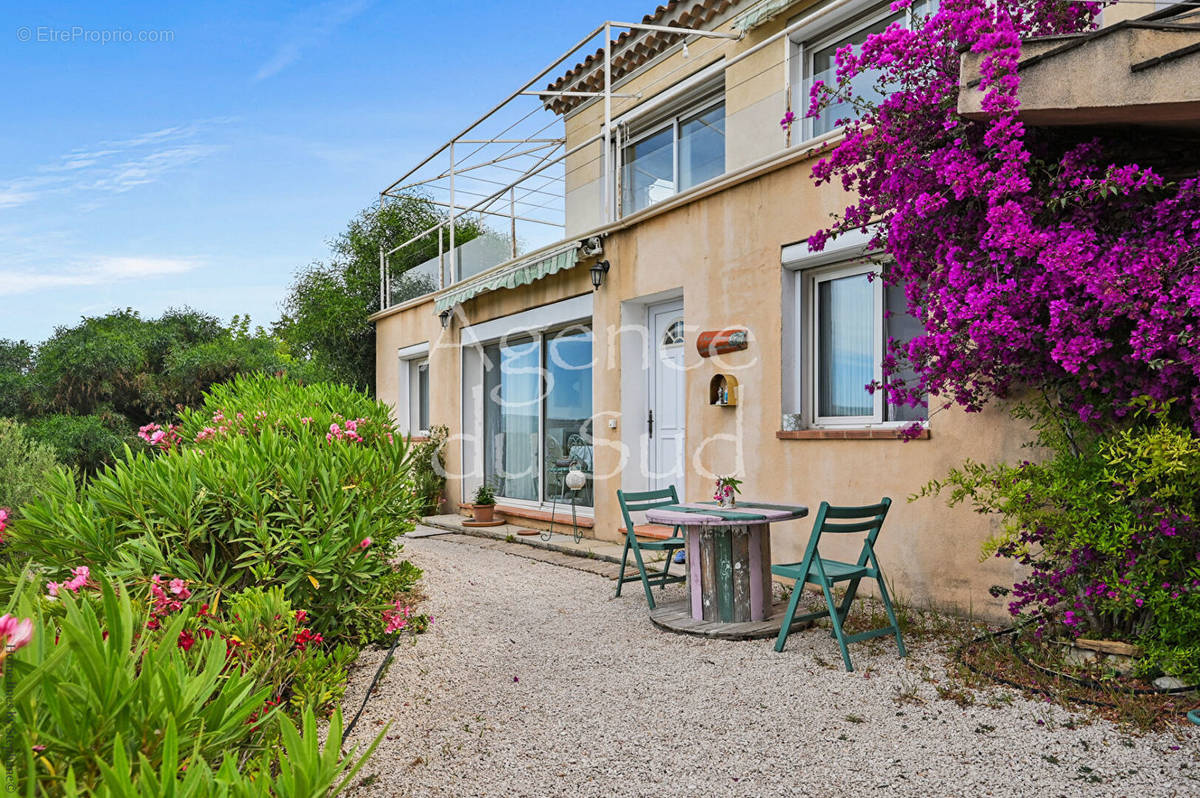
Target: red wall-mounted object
{"x": 719, "y": 342}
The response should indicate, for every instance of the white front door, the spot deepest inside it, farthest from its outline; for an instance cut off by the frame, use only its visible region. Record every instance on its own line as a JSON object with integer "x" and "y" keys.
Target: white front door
{"x": 665, "y": 414}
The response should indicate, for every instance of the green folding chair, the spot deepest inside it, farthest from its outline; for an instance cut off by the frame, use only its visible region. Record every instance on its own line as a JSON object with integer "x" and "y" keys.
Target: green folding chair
{"x": 826, "y": 573}
{"x": 637, "y": 502}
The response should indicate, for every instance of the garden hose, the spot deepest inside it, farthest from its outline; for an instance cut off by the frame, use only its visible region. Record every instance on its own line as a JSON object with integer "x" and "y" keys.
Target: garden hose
{"x": 1012, "y": 631}
{"x": 1095, "y": 685}
{"x": 371, "y": 688}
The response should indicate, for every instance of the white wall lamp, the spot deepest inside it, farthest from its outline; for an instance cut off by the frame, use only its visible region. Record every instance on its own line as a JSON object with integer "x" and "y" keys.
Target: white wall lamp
{"x": 445, "y": 317}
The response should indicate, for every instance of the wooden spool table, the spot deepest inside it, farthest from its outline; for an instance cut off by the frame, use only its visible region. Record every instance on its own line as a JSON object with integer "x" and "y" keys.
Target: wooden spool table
{"x": 728, "y": 556}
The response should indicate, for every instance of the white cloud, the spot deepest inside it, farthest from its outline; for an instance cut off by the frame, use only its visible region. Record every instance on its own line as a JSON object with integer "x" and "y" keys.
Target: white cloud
{"x": 100, "y": 270}
{"x": 308, "y": 29}
{"x": 113, "y": 166}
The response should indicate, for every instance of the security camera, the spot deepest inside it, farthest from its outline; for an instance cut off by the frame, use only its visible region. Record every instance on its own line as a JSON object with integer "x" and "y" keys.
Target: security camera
{"x": 591, "y": 247}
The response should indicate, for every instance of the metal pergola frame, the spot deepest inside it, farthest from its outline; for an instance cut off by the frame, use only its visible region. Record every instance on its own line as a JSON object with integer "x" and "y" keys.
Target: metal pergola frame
{"x": 547, "y": 152}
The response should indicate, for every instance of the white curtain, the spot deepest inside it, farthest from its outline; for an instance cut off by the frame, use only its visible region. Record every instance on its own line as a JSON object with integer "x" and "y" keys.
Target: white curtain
{"x": 846, "y": 338}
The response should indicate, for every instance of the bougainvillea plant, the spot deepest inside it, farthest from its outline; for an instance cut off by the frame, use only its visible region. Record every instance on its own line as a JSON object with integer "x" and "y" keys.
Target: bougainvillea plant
{"x": 1033, "y": 256}
{"x": 1058, "y": 265}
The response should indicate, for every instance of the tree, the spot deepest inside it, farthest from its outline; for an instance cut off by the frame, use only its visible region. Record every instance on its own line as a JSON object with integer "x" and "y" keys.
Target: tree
{"x": 16, "y": 362}
{"x": 327, "y": 307}
{"x": 86, "y": 388}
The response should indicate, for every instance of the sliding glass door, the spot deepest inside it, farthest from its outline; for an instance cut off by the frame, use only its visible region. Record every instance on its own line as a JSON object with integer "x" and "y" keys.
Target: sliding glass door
{"x": 537, "y": 415}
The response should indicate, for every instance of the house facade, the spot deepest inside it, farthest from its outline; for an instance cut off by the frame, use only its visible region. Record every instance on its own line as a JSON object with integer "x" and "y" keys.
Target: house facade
{"x": 686, "y": 207}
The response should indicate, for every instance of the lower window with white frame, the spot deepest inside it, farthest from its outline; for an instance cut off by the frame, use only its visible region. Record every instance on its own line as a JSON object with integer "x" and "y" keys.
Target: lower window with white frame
{"x": 413, "y": 400}
{"x": 846, "y": 315}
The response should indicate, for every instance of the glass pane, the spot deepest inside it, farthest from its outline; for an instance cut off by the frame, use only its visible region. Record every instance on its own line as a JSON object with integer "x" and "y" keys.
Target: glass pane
{"x": 648, "y": 175}
{"x": 903, "y": 326}
{"x": 512, "y": 393}
{"x": 824, "y": 68}
{"x": 702, "y": 147}
{"x": 846, "y": 340}
{"x": 568, "y": 424}
{"x": 423, "y": 397}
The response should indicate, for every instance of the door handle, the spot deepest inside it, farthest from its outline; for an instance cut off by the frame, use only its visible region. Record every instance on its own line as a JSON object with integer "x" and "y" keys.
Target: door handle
{"x": 650, "y": 422}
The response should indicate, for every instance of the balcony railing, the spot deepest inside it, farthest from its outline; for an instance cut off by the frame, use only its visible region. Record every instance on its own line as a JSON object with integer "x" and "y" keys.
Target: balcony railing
{"x": 507, "y": 171}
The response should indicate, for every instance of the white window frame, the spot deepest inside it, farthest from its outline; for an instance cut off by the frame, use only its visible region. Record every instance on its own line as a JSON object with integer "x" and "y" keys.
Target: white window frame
{"x": 411, "y": 358}
{"x": 807, "y": 41}
{"x": 537, "y": 324}
{"x": 845, "y": 256}
{"x": 813, "y": 279}
{"x": 710, "y": 94}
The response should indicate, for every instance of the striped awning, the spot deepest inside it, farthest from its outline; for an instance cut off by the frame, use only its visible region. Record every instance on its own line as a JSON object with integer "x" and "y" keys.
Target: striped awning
{"x": 520, "y": 273}
{"x": 759, "y": 13}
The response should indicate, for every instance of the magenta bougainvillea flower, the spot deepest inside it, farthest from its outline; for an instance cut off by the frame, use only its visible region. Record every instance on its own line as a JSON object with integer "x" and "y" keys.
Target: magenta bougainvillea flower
{"x": 1034, "y": 257}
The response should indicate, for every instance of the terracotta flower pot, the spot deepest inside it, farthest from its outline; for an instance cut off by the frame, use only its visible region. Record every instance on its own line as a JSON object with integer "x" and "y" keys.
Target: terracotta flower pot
{"x": 483, "y": 512}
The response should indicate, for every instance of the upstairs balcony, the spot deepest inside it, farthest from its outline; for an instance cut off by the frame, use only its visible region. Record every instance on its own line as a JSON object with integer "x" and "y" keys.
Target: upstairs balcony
{"x": 502, "y": 182}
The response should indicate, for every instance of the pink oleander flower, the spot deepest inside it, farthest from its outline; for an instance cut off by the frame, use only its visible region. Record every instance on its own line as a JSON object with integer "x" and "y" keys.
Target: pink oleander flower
{"x": 79, "y": 578}
{"x": 397, "y": 617}
{"x": 364, "y": 543}
{"x": 14, "y": 634}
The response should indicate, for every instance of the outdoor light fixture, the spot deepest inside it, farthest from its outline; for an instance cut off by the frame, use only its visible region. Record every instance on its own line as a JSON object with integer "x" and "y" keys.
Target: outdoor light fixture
{"x": 598, "y": 271}
{"x": 445, "y": 317}
{"x": 685, "y": 50}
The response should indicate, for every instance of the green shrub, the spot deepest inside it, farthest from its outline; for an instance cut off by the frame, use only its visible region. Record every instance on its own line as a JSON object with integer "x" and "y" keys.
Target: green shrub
{"x": 429, "y": 469}
{"x": 1109, "y": 528}
{"x": 85, "y": 443}
{"x": 274, "y": 484}
{"x": 24, "y": 464}
{"x": 103, "y": 702}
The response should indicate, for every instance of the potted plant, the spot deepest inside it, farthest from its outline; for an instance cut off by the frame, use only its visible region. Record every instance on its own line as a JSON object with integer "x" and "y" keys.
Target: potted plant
{"x": 726, "y": 488}
{"x": 483, "y": 506}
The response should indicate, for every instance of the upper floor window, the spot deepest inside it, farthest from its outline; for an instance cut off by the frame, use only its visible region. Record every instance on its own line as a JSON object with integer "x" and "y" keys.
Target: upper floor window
{"x": 673, "y": 153}
{"x": 817, "y": 61}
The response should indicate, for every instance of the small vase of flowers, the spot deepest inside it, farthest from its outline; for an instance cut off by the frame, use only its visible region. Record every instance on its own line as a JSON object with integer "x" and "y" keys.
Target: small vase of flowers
{"x": 726, "y": 488}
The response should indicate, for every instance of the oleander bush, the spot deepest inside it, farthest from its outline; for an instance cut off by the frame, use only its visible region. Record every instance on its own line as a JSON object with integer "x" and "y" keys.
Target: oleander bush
{"x": 184, "y": 616}
{"x": 111, "y": 692}
{"x": 267, "y": 483}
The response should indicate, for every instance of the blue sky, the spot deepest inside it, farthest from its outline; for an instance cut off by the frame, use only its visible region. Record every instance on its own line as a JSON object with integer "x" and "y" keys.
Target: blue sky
{"x": 206, "y": 169}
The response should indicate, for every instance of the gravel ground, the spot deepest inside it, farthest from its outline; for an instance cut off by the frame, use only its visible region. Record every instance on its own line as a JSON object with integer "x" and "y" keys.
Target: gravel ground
{"x": 534, "y": 681}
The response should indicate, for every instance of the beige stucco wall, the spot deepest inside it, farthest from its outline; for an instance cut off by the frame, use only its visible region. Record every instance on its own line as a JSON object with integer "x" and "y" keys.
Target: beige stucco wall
{"x": 417, "y": 323}
{"x": 723, "y": 251}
